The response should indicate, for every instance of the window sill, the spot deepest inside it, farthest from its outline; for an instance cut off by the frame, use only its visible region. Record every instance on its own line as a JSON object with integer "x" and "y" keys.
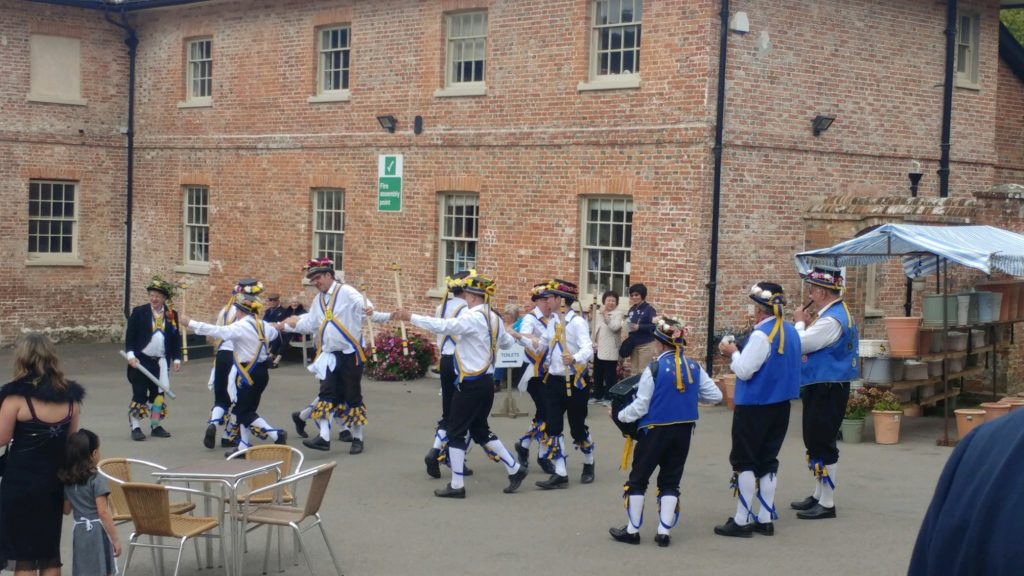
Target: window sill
{"x": 197, "y": 103}
{"x": 339, "y": 96}
{"x": 202, "y": 269}
{"x": 435, "y": 293}
{"x": 54, "y": 261}
{"x": 457, "y": 90}
{"x": 616, "y": 82}
{"x": 52, "y": 99}
{"x": 967, "y": 85}
{"x": 873, "y": 313}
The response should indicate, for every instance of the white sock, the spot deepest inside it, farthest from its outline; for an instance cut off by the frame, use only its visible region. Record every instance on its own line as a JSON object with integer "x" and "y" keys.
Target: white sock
{"x": 271, "y": 432}
{"x": 325, "y": 428}
{"x": 525, "y": 442}
{"x": 135, "y": 422}
{"x": 439, "y": 438}
{"x": 457, "y": 458}
{"x": 216, "y": 415}
{"x": 827, "y": 492}
{"x": 746, "y": 496}
{"x": 817, "y": 488}
{"x": 668, "y": 511}
{"x": 588, "y": 458}
{"x": 634, "y": 512}
{"x": 560, "y": 461}
{"x": 306, "y": 412}
{"x": 766, "y": 491}
{"x": 357, "y": 431}
{"x": 244, "y": 438}
{"x": 496, "y": 447}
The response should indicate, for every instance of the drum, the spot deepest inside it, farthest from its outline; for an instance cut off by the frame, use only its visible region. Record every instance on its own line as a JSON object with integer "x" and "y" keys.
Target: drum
{"x": 622, "y": 395}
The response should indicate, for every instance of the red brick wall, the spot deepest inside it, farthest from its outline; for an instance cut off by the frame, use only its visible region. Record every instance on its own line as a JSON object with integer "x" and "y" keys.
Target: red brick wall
{"x": 1010, "y": 127}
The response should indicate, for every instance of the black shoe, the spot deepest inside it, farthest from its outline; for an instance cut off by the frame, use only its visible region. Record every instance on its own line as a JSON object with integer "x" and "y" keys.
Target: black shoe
{"x": 555, "y": 481}
{"x": 159, "y": 432}
{"x": 433, "y": 465}
{"x": 300, "y": 425}
{"x": 546, "y": 465}
{"x": 523, "y": 454}
{"x": 345, "y": 435}
{"x": 731, "y": 528}
{"x": 621, "y": 535}
{"x": 817, "y": 512}
{"x": 663, "y": 540}
{"x": 766, "y": 529}
{"x": 228, "y": 442}
{"x": 514, "y": 480}
{"x": 466, "y": 470}
{"x": 282, "y": 437}
{"x": 449, "y": 492}
{"x": 317, "y": 443}
{"x": 588, "y": 474}
{"x": 357, "y": 447}
{"x": 211, "y": 435}
{"x": 137, "y": 435}
{"x": 805, "y": 504}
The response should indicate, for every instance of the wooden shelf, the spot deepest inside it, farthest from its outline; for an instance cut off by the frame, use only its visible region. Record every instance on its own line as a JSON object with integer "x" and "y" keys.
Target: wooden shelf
{"x": 942, "y": 396}
{"x": 981, "y": 349}
{"x": 941, "y": 355}
{"x": 974, "y": 371}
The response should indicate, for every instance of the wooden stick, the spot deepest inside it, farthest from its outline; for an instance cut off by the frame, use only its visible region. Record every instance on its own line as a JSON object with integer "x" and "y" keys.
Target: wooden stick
{"x": 369, "y": 323}
{"x": 398, "y": 294}
{"x": 183, "y": 329}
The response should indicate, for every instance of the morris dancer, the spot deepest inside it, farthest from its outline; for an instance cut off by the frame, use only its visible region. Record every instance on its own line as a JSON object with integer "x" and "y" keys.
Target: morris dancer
{"x": 478, "y": 333}
{"x": 535, "y": 323}
{"x": 220, "y": 414}
{"x": 336, "y": 317}
{"x": 152, "y": 340}
{"x": 249, "y": 371}
{"x": 666, "y": 408}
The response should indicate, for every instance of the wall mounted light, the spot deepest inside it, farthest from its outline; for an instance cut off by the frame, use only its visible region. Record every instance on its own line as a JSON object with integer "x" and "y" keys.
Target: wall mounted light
{"x": 821, "y": 123}
{"x": 915, "y": 175}
{"x": 388, "y": 123}
{"x": 417, "y": 125}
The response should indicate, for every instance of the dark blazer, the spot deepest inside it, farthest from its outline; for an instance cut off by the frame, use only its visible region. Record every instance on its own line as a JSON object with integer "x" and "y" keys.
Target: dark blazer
{"x": 140, "y": 331}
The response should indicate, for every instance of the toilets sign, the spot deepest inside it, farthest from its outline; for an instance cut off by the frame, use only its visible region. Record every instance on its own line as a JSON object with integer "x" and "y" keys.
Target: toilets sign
{"x": 389, "y": 183}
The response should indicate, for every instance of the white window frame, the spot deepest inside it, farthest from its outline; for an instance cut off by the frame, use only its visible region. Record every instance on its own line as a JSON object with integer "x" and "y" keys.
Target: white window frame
{"x": 452, "y": 208}
{"x": 42, "y": 198}
{"x": 194, "y": 64}
{"x": 968, "y": 35}
{"x": 601, "y": 23}
{"x": 196, "y": 227}
{"x": 598, "y": 236}
{"x": 324, "y": 58}
{"x": 459, "y": 38}
{"x": 329, "y": 224}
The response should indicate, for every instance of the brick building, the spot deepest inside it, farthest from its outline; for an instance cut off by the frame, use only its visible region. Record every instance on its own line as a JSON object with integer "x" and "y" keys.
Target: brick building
{"x": 556, "y": 137}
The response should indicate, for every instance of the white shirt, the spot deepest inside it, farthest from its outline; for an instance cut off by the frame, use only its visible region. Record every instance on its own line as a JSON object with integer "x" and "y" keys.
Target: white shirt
{"x": 348, "y": 310}
{"x": 708, "y": 393}
{"x": 157, "y": 347}
{"x": 226, "y": 317}
{"x": 453, "y": 308}
{"x": 577, "y": 338}
{"x": 746, "y": 363}
{"x": 472, "y": 331}
{"x": 822, "y": 333}
{"x": 242, "y": 333}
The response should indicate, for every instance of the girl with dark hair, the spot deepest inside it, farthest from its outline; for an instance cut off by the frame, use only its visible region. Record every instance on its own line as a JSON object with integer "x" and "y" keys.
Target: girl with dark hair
{"x": 38, "y": 409}
{"x": 85, "y": 495}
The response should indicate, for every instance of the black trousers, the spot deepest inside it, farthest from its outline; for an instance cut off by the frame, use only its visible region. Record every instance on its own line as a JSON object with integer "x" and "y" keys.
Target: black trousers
{"x": 663, "y": 447}
{"x": 558, "y": 405}
{"x": 604, "y": 376}
{"x": 221, "y": 369}
{"x": 757, "y": 435}
{"x": 249, "y": 396}
{"x": 535, "y": 388}
{"x": 471, "y": 405}
{"x": 448, "y": 376}
{"x": 344, "y": 383}
{"x": 143, "y": 390}
{"x": 824, "y": 408}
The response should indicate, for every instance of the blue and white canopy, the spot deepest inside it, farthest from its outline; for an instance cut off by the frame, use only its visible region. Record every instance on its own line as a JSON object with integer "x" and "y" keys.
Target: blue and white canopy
{"x": 984, "y": 248}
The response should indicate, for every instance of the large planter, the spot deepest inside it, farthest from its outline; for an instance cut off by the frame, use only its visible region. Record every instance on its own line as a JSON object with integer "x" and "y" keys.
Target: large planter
{"x": 968, "y": 419}
{"x": 729, "y": 383}
{"x": 902, "y": 335}
{"x": 994, "y": 410}
{"x": 852, "y": 430}
{"x": 931, "y": 308}
{"x": 887, "y": 426}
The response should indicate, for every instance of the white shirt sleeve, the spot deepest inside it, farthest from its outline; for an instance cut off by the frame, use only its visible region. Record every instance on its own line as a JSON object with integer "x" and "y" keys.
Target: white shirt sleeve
{"x": 822, "y": 334}
{"x": 227, "y": 332}
{"x": 584, "y": 345}
{"x": 454, "y": 326}
{"x": 642, "y": 401}
{"x": 746, "y": 363}
{"x": 709, "y": 392}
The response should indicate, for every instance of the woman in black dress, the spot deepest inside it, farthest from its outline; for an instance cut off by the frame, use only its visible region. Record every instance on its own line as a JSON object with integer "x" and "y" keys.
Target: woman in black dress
{"x": 38, "y": 410}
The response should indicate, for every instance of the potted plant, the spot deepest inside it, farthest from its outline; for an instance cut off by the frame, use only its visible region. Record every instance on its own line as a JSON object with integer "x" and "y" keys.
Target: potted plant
{"x": 852, "y": 427}
{"x": 887, "y": 411}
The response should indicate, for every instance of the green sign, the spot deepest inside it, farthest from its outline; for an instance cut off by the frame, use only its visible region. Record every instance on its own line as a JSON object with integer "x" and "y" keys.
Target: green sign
{"x": 389, "y": 183}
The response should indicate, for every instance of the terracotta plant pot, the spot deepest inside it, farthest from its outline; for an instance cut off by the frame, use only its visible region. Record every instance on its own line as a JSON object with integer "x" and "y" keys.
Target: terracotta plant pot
{"x": 968, "y": 419}
{"x": 887, "y": 426}
{"x": 994, "y": 410}
{"x": 902, "y": 335}
{"x": 729, "y": 382}
{"x": 1015, "y": 402}
{"x": 852, "y": 430}
{"x": 914, "y": 411}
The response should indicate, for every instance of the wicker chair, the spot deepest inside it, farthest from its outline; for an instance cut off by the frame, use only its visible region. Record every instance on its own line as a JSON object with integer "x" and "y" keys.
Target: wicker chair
{"x": 286, "y": 455}
{"x": 150, "y": 508}
{"x": 291, "y": 516}
{"x": 119, "y": 471}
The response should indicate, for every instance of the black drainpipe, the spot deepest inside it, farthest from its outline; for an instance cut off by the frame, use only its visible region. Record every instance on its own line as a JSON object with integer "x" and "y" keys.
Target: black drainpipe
{"x": 716, "y": 195}
{"x": 132, "y": 41}
{"x": 947, "y": 98}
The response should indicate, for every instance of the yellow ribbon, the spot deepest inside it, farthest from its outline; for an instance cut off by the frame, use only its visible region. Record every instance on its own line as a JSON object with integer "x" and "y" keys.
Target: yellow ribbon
{"x": 627, "y": 454}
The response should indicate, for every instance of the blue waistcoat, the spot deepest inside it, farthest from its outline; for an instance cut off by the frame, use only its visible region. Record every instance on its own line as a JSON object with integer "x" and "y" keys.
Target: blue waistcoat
{"x": 778, "y": 379}
{"x": 668, "y": 404}
{"x": 839, "y": 361}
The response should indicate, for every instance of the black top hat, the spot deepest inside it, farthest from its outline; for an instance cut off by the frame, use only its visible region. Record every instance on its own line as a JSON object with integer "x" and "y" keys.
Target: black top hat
{"x": 670, "y": 331}
{"x": 826, "y": 277}
{"x": 562, "y": 288}
{"x": 318, "y": 266}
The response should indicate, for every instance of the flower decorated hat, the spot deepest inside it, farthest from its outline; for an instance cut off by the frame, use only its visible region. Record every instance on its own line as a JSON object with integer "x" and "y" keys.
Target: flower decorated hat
{"x": 158, "y": 284}
{"x": 826, "y": 277}
{"x": 538, "y": 291}
{"x": 670, "y": 331}
{"x": 480, "y": 285}
{"x": 770, "y": 294}
{"x": 562, "y": 288}
{"x": 247, "y": 296}
{"x": 318, "y": 266}
{"x": 249, "y": 286}
{"x": 456, "y": 283}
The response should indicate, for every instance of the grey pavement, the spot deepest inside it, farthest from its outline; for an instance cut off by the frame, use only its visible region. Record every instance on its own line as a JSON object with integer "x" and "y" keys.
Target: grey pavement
{"x": 384, "y": 520}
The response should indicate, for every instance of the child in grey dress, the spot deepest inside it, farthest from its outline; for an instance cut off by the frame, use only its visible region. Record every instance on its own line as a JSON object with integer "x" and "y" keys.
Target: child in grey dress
{"x": 95, "y": 542}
